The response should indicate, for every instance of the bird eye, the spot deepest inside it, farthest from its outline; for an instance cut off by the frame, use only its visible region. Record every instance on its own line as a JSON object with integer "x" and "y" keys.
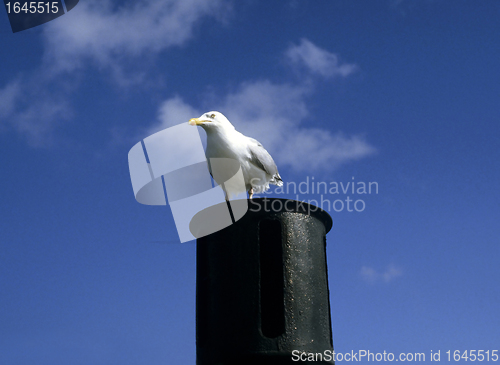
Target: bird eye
{"x": 212, "y": 116}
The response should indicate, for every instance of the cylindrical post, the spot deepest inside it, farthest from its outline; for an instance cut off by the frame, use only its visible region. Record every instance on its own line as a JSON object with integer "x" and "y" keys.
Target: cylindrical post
{"x": 262, "y": 287}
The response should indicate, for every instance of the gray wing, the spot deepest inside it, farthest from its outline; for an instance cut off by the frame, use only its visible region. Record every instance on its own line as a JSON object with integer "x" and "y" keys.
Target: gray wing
{"x": 262, "y": 159}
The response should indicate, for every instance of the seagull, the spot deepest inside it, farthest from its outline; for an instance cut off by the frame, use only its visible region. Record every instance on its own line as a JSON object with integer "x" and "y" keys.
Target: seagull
{"x": 224, "y": 141}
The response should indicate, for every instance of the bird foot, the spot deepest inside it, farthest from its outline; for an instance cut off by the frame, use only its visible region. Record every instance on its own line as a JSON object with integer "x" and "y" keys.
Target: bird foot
{"x": 250, "y": 193}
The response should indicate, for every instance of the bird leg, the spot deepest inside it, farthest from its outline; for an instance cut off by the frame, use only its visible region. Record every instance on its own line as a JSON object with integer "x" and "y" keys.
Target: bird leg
{"x": 250, "y": 193}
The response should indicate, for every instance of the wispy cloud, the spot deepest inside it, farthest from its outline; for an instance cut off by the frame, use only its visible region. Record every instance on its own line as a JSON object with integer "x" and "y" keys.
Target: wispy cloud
{"x": 100, "y": 32}
{"x": 174, "y": 111}
{"x": 277, "y": 116}
{"x": 31, "y": 111}
{"x": 36, "y": 122}
{"x": 371, "y": 275}
{"x": 9, "y": 96}
{"x": 318, "y": 60}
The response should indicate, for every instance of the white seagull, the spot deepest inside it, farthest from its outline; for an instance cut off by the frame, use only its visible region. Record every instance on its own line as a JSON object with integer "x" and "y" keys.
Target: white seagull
{"x": 224, "y": 141}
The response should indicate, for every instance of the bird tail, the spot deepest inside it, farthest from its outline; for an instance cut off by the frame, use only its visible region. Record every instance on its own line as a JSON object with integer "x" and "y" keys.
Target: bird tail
{"x": 276, "y": 180}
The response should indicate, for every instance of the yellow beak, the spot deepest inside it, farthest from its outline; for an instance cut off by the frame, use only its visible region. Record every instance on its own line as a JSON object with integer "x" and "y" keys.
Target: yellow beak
{"x": 195, "y": 121}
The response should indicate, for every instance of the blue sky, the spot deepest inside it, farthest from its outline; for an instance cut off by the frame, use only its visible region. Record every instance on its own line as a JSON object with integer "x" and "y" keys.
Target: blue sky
{"x": 403, "y": 93}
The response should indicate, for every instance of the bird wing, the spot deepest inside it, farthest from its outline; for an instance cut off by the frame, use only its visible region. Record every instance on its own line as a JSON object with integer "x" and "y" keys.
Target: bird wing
{"x": 262, "y": 159}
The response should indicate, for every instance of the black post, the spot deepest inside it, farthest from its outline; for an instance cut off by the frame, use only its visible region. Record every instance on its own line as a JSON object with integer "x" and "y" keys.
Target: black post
{"x": 262, "y": 287}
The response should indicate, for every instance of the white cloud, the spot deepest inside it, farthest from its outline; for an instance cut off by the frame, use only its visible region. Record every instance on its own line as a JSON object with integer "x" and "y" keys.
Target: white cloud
{"x": 37, "y": 121}
{"x": 31, "y": 111}
{"x": 98, "y": 31}
{"x": 106, "y": 35}
{"x": 276, "y": 115}
{"x": 317, "y": 60}
{"x": 174, "y": 111}
{"x": 371, "y": 275}
{"x": 9, "y": 96}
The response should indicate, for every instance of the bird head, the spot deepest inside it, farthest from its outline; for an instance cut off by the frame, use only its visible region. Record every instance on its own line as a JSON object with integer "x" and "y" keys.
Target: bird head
{"x": 212, "y": 121}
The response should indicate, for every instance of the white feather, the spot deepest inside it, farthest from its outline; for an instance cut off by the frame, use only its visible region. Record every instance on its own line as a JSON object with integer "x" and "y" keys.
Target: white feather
{"x": 224, "y": 141}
